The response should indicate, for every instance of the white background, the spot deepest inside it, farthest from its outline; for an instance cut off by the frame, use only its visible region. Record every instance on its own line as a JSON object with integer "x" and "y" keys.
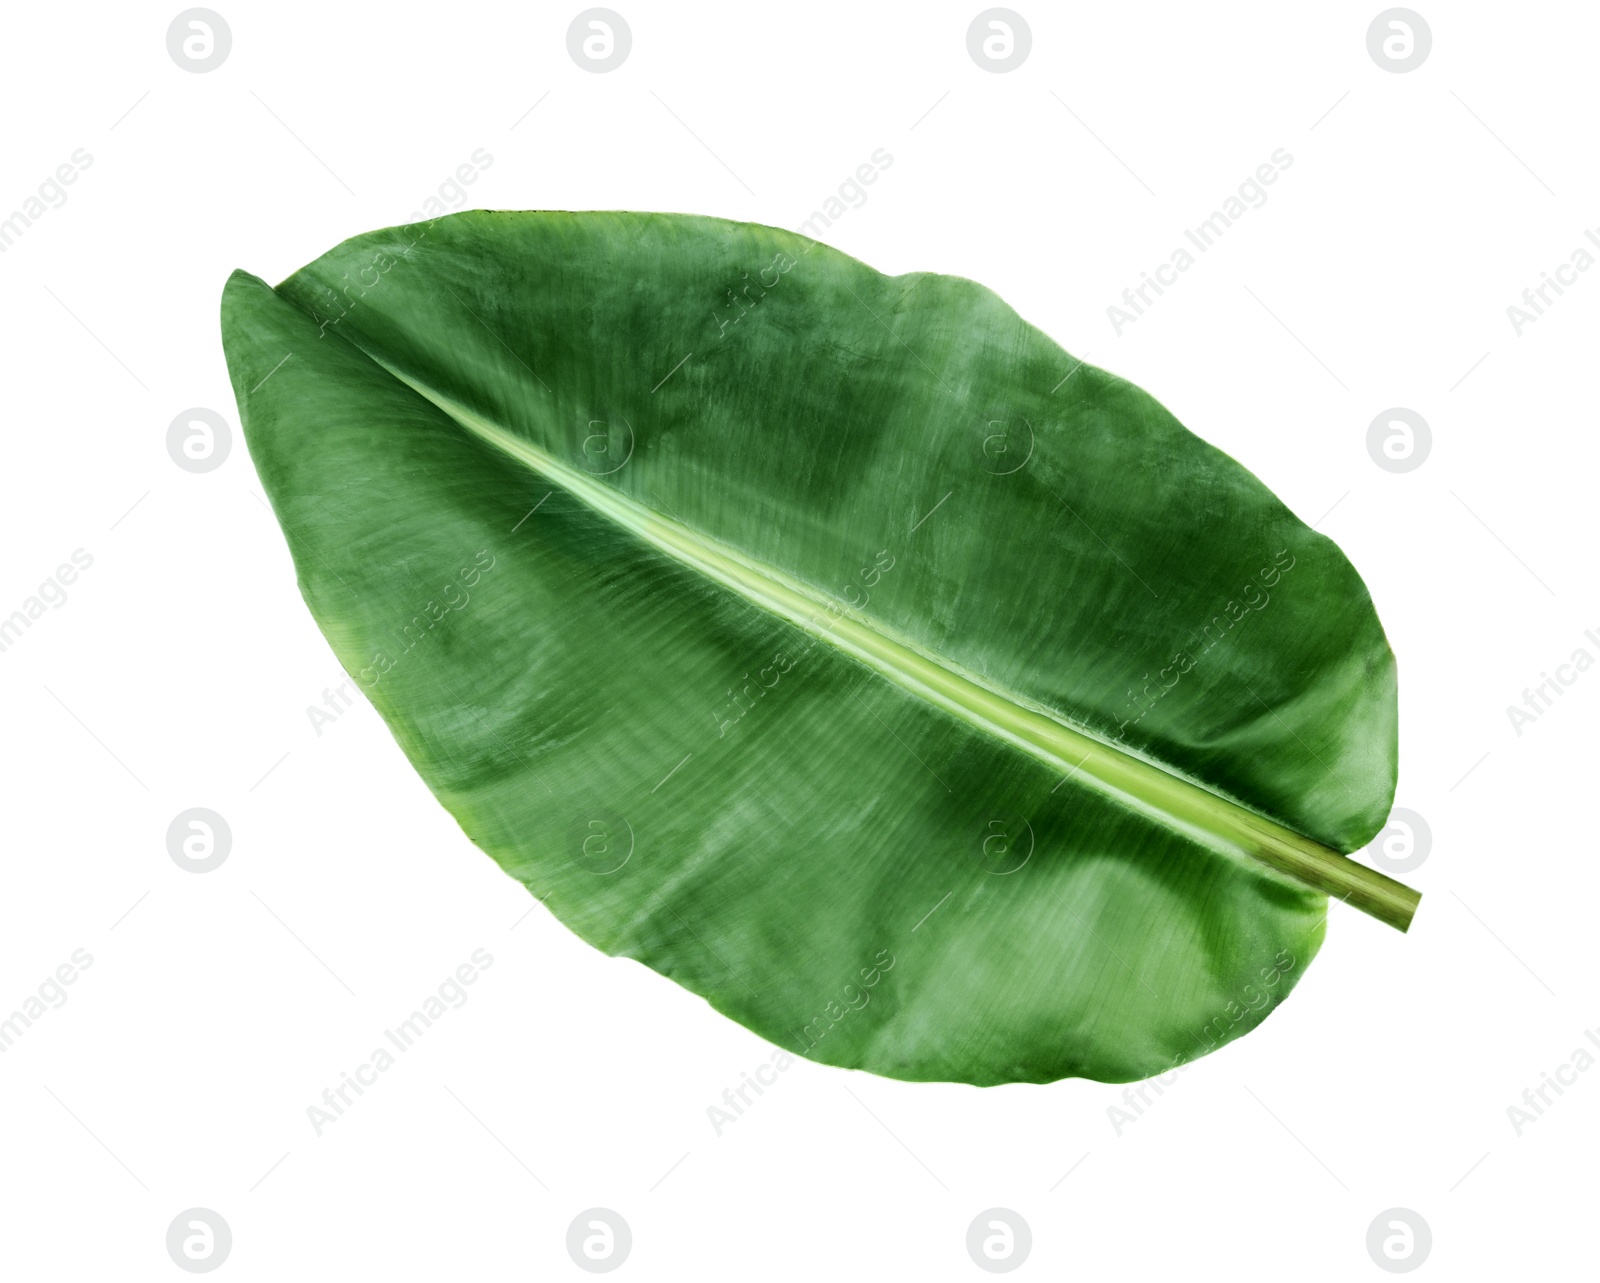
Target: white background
{"x": 179, "y": 669}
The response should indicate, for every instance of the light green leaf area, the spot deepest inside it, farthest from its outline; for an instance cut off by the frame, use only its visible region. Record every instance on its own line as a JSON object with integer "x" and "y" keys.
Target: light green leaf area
{"x": 832, "y": 643}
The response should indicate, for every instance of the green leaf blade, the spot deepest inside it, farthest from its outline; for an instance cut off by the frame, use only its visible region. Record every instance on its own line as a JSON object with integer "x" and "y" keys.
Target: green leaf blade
{"x": 784, "y": 837}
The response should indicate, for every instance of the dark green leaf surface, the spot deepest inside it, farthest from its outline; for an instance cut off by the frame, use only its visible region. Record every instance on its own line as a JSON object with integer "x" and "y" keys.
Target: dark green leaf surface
{"x": 833, "y": 643}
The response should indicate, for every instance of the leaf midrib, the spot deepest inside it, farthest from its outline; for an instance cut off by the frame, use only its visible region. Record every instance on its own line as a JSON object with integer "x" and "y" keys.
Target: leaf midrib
{"x": 1144, "y": 786}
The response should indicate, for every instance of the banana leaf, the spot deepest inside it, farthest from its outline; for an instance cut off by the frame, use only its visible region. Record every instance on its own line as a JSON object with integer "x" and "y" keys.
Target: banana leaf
{"x": 930, "y": 702}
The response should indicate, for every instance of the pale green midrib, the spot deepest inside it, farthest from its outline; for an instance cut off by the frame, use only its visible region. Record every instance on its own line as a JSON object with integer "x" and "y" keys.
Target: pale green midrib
{"x": 1150, "y": 789}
